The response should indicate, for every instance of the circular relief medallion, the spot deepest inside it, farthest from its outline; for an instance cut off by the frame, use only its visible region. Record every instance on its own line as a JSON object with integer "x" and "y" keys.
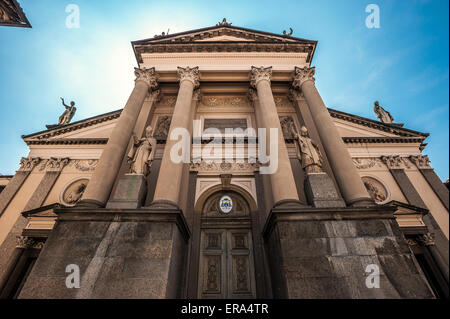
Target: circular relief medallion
{"x": 225, "y": 204}
{"x": 376, "y": 189}
{"x": 73, "y": 192}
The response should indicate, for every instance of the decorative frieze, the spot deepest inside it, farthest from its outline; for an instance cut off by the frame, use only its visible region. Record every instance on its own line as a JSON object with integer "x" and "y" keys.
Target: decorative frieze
{"x": 28, "y": 163}
{"x": 204, "y": 166}
{"x": 85, "y": 165}
{"x": 302, "y": 75}
{"x": 259, "y": 74}
{"x": 421, "y": 161}
{"x": 365, "y": 163}
{"x": 295, "y": 95}
{"x": 148, "y": 76}
{"x": 167, "y": 100}
{"x": 228, "y": 101}
{"x": 282, "y": 101}
{"x": 189, "y": 74}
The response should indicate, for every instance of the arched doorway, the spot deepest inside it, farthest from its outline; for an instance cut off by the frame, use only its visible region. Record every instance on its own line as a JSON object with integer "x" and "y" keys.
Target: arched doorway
{"x": 226, "y": 266}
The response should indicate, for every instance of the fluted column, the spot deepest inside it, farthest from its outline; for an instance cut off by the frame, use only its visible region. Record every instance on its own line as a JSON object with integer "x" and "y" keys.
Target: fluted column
{"x": 283, "y": 183}
{"x": 102, "y": 181}
{"x": 347, "y": 177}
{"x": 170, "y": 174}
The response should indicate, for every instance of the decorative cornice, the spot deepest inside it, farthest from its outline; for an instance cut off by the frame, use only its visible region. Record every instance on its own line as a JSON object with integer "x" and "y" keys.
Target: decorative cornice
{"x": 421, "y": 161}
{"x": 303, "y": 75}
{"x": 148, "y": 76}
{"x": 11, "y": 14}
{"x": 383, "y": 139}
{"x": 73, "y": 126}
{"x": 376, "y": 124}
{"x": 68, "y": 141}
{"x": 189, "y": 74}
{"x": 27, "y": 164}
{"x": 260, "y": 74}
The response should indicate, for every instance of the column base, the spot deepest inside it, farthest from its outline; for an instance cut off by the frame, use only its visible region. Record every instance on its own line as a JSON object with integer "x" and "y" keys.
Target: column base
{"x": 329, "y": 253}
{"x": 130, "y": 192}
{"x": 321, "y": 191}
{"x": 120, "y": 253}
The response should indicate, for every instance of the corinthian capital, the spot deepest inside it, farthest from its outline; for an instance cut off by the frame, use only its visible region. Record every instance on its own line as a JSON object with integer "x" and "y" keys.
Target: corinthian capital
{"x": 148, "y": 76}
{"x": 259, "y": 74}
{"x": 27, "y": 164}
{"x": 189, "y": 74}
{"x": 421, "y": 161}
{"x": 302, "y": 75}
{"x": 56, "y": 164}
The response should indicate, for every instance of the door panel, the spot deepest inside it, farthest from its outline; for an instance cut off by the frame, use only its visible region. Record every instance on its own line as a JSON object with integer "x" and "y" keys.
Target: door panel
{"x": 226, "y": 264}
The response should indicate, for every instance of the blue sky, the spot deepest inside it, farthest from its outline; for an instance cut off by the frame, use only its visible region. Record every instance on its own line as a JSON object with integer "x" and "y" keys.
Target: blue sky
{"x": 404, "y": 64}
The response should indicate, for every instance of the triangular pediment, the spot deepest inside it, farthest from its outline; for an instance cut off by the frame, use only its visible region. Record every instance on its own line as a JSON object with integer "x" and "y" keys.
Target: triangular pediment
{"x": 223, "y": 33}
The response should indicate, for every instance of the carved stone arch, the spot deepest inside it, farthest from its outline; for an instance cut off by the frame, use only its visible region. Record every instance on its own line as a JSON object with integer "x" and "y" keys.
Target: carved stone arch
{"x": 217, "y": 188}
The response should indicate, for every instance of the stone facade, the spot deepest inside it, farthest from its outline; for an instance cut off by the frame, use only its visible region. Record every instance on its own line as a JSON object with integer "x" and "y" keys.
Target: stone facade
{"x": 303, "y": 234}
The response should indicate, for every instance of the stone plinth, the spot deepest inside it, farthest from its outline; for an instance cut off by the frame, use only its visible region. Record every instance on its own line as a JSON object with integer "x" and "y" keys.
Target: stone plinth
{"x": 321, "y": 191}
{"x": 324, "y": 253}
{"x": 120, "y": 254}
{"x": 130, "y": 192}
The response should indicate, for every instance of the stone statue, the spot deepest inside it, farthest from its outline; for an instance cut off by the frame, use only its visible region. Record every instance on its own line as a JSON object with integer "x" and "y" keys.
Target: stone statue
{"x": 382, "y": 114}
{"x": 75, "y": 196}
{"x": 374, "y": 192}
{"x": 142, "y": 153}
{"x": 307, "y": 151}
{"x": 66, "y": 117}
{"x": 288, "y": 34}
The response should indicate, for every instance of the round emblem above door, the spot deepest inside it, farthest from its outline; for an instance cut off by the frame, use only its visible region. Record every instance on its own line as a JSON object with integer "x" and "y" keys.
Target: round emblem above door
{"x": 226, "y": 204}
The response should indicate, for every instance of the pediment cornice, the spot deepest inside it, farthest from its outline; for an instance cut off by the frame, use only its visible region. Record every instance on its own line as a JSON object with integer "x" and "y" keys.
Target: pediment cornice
{"x": 223, "y": 39}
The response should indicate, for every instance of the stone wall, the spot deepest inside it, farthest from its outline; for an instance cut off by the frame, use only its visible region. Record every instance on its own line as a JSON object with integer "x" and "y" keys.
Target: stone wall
{"x": 121, "y": 254}
{"x": 324, "y": 254}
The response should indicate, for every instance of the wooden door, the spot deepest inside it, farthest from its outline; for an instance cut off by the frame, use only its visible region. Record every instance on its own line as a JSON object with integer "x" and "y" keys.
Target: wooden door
{"x": 226, "y": 264}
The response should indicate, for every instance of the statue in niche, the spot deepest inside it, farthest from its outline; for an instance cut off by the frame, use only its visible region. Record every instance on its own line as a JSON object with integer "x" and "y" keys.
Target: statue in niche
{"x": 68, "y": 114}
{"x": 75, "y": 196}
{"x": 307, "y": 151}
{"x": 383, "y": 115}
{"x": 142, "y": 153}
{"x": 374, "y": 192}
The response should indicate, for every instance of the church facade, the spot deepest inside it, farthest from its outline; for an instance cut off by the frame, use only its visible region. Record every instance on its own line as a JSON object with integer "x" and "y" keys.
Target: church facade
{"x": 225, "y": 176}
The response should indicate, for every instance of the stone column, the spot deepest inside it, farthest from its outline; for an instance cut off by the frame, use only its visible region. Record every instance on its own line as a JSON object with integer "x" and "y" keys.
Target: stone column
{"x": 346, "y": 174}
{"x": 102, "y": 181}
{"x": 283, "y": 183}
{"x": 170, "y": 174}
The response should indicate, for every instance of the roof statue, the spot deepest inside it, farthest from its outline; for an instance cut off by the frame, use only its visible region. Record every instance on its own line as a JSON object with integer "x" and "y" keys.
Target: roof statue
{"x": 383, "y": 115}
{"x": 224, "y": 22}
{"x": 66, "y": 116}
{"x": 288, "y": 34}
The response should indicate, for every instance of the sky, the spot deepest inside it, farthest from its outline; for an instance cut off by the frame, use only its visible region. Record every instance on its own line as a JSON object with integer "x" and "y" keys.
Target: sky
{"x": 404, "y": 63}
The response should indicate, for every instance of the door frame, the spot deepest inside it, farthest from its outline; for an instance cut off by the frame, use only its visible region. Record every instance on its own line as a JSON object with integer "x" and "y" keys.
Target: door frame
{"x": 256, "y": 230}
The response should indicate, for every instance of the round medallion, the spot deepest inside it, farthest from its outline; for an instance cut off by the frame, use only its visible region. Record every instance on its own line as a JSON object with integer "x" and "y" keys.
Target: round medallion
{"x": 73, "y": 192}
{"x": 376, "y": 189}
{"x": 226, "y": 204}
